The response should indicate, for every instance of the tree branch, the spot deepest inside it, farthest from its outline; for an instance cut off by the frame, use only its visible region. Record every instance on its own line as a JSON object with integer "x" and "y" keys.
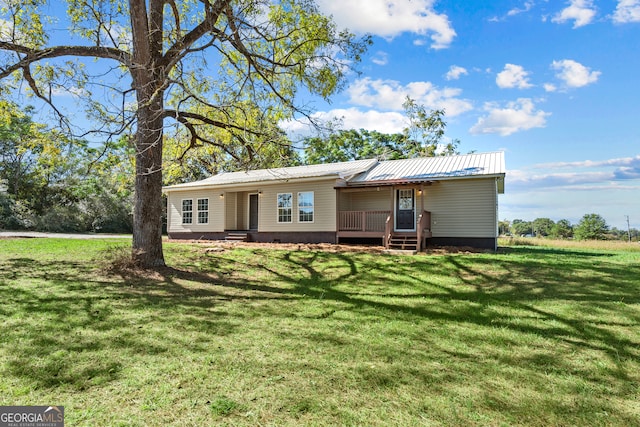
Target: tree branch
{"x": 184, "y": 117}
{"x": 182, "y": 46}
{"x": 34, "y": 55}
{"x": 26, "y": 73}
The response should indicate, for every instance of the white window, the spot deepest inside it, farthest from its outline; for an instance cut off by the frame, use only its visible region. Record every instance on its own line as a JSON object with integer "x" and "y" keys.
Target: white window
{"x": 187, "y": 211}
{"x": 285, "y": 207}
{"x": 305, "y": 206}
{"x": 203, "y": 211}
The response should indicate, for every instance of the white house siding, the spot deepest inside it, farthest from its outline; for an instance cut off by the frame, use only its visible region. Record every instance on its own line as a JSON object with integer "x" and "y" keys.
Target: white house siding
{"x": 324, "y": 216}
{"x": 344, "y": 201}
{"x": 230, "y": 211}
{"x": 463, "y": 208}
{"x": 242, "y": 201}
{"x": 372, "y": 200}
{"x": 174, "y": 211}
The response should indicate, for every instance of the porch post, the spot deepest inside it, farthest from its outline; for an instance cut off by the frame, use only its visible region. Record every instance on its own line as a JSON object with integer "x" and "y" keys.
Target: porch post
{"x": 337, "y": 215}
{"x": 393, "y": 208}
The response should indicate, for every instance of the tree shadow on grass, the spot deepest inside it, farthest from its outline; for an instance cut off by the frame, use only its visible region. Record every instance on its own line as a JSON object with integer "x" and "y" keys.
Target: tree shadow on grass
{"x": 77, "y": 310}
{"x": 67, "y": 326}
{"x": 545, "y": 251}
{"x": 518, "y": 284}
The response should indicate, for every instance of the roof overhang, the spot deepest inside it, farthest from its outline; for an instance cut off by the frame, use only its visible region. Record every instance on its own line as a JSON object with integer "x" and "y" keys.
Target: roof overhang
{"x": 252, "y": 184}
{"x": 381, "y": 183}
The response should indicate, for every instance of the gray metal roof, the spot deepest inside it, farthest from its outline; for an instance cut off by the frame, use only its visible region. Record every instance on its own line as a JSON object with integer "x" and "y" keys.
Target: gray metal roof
{"x": 342, "y": 170}
{"x": 434, "y": 168}
{"x": 370, "y": 172}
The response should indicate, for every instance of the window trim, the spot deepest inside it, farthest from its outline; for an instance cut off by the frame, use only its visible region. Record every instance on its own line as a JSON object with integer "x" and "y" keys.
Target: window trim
{"x": 199, "y": 211}
{"x": 182, "y": 212}
{"x": 278, "y": 208}
{"x": 313, "y": 207}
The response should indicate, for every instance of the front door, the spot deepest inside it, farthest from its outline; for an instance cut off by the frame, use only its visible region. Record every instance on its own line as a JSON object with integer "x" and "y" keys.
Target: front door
{"x": 253, "y": 211}
{"x": 405, "y": 209}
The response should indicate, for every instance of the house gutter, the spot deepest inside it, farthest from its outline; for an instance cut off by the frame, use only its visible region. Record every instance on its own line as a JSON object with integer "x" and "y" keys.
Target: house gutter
{"x": 381, "y": 183}
{"x": 180, "y": 187}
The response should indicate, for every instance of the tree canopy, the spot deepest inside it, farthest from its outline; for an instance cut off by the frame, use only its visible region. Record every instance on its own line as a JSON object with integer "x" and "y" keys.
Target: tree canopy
{"x": 51, "y": 183}
{"x": 591, "y": 227}
{"x": 222, "y": 73}
{"x": 423, "y": 137}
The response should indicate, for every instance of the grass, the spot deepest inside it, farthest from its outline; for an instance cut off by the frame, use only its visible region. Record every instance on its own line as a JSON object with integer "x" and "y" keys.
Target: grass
{"x": 614, "y": 245}
{"x": 534, "y": 336}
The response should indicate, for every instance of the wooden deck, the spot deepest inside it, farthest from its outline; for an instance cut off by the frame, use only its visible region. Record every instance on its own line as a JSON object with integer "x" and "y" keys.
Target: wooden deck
{"x": 362, "y": 223}
{"x": 379, "y": 224}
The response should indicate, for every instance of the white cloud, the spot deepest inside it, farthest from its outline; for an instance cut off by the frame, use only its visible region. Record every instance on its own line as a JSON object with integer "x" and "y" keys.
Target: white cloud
{"x": 70, "y": 91}
{"x": 390, "y": 95}
{"x": 571, "y": 189}
{"x": 513, "y": 76}
{"x": 581, "y": 12}
{"x": 390, "y": 18}
{"x": 380, "y": 58}
{"x": 525, "y": 8}
{"x": 117, "y": 35}
{"x": 621, "y": 162}
{"x": 574, "y": 74}
{"x": 514, "y": 117}
{"x": 351, "y": 118}
{"x": 6, "y": 30}
{"x": 627, "y": 11}
{"x": 577, "y": 174}
{"x": 524, "y": 179}
{"x": 455, "y": 72}
{"x": 550, "y": 87}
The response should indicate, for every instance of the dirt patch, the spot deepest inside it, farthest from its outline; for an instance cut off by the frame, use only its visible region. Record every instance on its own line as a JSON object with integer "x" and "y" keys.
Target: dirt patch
{"x": 308, "y": 247}
{"x": 448, "y": 250}
{"x": 218, "y": 245}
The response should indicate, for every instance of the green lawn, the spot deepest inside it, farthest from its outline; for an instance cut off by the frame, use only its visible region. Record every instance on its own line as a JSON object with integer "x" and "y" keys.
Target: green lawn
{"x": 252, "y": 336}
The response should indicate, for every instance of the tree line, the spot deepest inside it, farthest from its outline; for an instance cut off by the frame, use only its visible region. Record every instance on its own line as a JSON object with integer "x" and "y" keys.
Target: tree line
{"x": 590, "y": 227}
{"x": 51, "y": 182}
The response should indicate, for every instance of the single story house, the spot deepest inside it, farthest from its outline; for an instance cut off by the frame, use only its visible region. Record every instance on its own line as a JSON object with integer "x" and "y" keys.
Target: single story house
{"x": 407, "y": 204}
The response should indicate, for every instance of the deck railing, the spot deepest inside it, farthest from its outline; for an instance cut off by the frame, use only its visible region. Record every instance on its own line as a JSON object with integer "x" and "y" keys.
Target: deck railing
{"x": 388, "y": 227}
{"x": 369, "y": 221}
{"x": 423, "y": 229}
{"x": 380, "y": 224}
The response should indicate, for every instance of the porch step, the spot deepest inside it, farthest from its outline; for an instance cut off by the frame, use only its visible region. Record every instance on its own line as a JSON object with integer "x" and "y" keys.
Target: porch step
{"x": 403, "y": 243}
{"x": 236, "y": 237}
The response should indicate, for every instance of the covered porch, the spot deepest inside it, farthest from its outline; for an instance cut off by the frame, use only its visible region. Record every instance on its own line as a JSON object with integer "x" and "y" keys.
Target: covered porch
{"x": 395, "y": 214}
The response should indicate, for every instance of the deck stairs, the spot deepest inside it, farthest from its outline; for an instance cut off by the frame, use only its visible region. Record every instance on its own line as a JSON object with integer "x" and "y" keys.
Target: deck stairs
{"x": 236, "y": 236}
{"x": 403, "y": 243}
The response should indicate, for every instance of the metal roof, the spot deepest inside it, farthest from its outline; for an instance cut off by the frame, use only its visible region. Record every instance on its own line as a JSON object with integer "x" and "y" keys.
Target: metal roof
{"x": 342, "y": 170}
{"x": 433, "y": 168}
{"x": 370, "y": 172}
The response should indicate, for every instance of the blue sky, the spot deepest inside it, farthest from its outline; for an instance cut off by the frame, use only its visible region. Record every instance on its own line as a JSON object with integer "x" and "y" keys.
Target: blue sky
{"x": 555, "y": 84}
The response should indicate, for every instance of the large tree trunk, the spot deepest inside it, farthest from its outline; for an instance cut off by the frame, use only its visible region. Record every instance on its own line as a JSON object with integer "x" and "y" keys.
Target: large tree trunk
{"x": 148, "y": 79}
{"x": 147, "y": 212}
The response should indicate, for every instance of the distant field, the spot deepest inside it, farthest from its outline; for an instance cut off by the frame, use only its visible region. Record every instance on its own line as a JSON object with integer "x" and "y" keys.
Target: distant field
{"x": 532, "y": 335}
{"x": 615, "y": 245}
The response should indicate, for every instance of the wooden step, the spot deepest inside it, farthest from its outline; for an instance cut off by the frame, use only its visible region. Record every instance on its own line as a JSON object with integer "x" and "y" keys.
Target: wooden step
{"x": 403, "y": 243}
{"x": 236, "y": 237}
